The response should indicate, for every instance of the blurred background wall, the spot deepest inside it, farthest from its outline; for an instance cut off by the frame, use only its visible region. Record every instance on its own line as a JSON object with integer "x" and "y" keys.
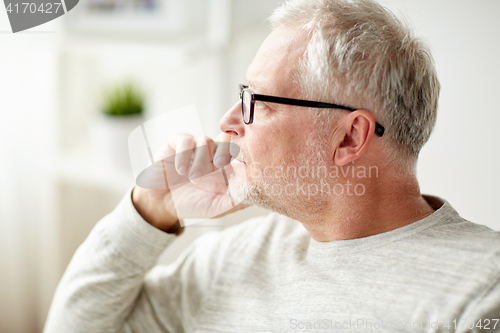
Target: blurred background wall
{"x": 54, "y": 188}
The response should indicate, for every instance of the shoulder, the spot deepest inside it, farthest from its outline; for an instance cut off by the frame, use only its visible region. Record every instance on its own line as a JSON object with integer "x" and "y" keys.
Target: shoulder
{"x": 472, "y": 247}
{"x": 208, "y": 255}
{"x": 449, "y": 230}
{"x": 257, "y": 237}
{"x": 270, "y": 232}
{"x": 457, "y": 233}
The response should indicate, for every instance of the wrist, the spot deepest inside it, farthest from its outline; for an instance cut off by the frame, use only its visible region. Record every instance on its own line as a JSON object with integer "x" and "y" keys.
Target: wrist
{"x": 154, "y": 210}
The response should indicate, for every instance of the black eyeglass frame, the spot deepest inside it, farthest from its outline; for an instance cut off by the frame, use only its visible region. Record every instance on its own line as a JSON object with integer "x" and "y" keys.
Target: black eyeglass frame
{"x": 379, "y": 129}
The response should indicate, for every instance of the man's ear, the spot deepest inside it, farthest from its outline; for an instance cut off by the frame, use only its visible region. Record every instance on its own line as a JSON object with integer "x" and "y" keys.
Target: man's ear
{"x": 358, "y": 128}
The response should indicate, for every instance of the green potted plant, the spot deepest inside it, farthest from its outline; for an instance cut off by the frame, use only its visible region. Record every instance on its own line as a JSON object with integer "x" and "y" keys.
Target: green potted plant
{"x": 123, "y": 100}
{"x": 122, "y": 111}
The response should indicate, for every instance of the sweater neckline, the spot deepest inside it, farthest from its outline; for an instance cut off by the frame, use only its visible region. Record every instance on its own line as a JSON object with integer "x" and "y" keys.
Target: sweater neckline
{"x": 442, "y": 209}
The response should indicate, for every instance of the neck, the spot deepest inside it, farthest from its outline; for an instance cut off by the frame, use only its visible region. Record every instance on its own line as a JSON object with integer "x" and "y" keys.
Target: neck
{"x": 389, "y": 201}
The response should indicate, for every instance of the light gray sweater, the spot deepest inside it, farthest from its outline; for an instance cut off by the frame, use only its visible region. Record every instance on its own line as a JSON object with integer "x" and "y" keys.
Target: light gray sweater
{"x": 268, "y": 275}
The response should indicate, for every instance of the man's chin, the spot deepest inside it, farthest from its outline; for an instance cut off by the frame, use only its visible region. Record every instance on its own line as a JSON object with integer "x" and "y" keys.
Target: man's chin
{"x": 240, "y": 191}
{"x": 238, "y": 187}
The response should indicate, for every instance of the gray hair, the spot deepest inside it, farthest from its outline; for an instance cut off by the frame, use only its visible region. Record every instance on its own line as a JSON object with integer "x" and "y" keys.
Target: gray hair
{"x": 361, "y": 55}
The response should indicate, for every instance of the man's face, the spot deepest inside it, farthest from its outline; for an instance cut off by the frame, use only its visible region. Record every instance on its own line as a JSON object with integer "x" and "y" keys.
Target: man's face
{"x": 281, "y": 137}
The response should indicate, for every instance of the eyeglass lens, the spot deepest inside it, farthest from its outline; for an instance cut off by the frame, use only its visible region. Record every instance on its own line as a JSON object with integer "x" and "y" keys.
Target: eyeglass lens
{"x": 245, "y": 105}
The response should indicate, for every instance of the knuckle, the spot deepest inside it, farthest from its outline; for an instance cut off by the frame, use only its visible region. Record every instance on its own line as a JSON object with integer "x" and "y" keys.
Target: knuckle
{"x": 183, "y": 135}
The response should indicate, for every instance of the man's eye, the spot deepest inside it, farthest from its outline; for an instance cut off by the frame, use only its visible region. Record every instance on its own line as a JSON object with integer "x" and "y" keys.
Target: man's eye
{"x": 259, "y": 104}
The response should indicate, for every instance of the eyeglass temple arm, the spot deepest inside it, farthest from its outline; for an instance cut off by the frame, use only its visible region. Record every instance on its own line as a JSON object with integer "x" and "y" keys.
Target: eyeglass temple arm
{"x": 379, "y": 129}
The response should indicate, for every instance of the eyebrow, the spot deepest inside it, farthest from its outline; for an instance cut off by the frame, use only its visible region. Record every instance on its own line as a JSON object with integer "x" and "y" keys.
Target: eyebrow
{"x": 254, "y": 85}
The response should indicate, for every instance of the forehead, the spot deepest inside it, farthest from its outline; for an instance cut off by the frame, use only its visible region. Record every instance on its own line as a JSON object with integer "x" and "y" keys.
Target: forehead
{"x": 273, "y": 66}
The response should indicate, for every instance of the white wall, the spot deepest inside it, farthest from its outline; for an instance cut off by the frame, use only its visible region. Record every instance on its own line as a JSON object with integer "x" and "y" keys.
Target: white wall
{"x": 461, "y": 161}
{"x": 28, "y": 63}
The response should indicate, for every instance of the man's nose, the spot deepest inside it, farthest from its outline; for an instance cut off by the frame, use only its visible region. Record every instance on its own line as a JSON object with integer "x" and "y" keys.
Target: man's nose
{"x": 232, "y": 121}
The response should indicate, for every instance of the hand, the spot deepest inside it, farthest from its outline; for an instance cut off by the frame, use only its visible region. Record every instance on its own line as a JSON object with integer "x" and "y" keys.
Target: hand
{"x": 185, "y": 182}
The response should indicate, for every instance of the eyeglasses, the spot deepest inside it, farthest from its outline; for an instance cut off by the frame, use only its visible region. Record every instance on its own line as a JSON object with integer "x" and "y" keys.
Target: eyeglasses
{"x": 248, "y": 99}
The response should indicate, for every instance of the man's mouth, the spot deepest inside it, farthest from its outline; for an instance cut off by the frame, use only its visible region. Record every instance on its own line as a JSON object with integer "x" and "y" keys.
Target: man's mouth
{"x": 236, "y": 160}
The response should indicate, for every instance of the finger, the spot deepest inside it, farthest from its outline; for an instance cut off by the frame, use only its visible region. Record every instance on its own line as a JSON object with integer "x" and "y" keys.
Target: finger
{"x": 202, "y": 161}
{"x": 155, "y": 175}
{"x": 222, "y": 155}
{"x": 223, "y": 137}
{"x": 183, "y": 144}
{"x": 166, "y": 151}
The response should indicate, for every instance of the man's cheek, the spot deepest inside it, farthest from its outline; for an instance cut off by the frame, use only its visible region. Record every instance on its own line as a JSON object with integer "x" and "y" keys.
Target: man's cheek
{"x": 256, "y": 169}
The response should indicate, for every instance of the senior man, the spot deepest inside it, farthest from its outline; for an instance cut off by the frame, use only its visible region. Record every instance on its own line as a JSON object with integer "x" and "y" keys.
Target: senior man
{"x": 342, "y": 89}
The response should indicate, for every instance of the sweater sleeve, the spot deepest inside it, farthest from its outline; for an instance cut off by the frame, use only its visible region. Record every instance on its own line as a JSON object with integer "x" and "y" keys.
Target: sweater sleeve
{"x": 483, "y": 314}
{"x": 103, "y": 283}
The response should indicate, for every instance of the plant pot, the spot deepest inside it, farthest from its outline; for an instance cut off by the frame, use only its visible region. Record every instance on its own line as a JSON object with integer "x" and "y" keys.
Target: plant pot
{"x": 109, "y": 141}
